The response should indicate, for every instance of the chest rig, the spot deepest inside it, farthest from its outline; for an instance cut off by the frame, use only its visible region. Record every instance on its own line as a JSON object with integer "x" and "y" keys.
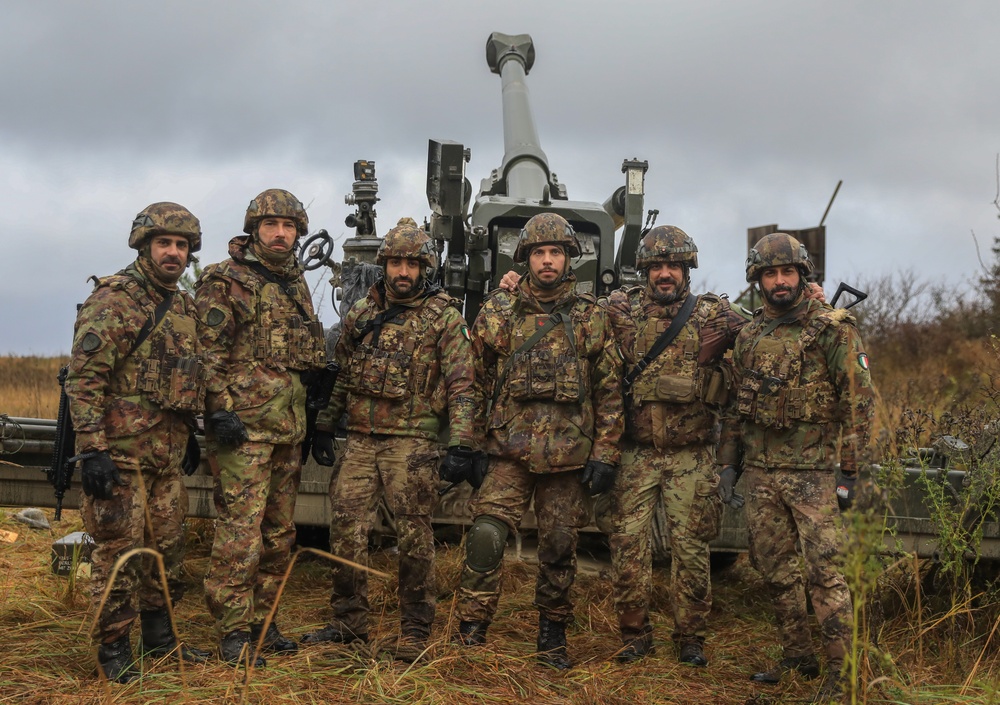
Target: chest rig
{"x": 164, "y": 365}
{"x": 383, "y": 362}
{"x": 674, "y": 375}
{"x": 544, "y": 362}
{"x": 285, "y": 332}
{"x": 775, "y": 392}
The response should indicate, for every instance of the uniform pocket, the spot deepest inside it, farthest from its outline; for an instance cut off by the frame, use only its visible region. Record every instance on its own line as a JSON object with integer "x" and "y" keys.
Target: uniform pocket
{"x": 705, "y": 519}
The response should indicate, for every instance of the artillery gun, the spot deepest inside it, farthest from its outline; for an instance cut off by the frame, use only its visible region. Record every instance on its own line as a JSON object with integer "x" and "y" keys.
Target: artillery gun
{"x": 475, "y": 248}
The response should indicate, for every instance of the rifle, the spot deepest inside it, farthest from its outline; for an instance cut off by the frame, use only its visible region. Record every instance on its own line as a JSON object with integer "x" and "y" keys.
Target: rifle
{"x": 318, "y": 394}
{"x": 848, "y": 289}
{"x": 60, "y": 470}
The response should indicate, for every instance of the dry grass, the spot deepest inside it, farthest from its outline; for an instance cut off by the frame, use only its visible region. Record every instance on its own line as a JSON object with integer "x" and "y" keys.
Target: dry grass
{"x": 48, "y": 658}
{"x": 28, "y": 386}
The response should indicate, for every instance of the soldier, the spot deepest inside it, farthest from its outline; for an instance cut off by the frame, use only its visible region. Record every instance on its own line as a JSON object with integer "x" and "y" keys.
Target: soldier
{"x": 409, "y": 368}
{"x": 673, "y": 343}
{"x": 804, "y": 402}
{"x": 546, "y": 358}
{"x": 260, "y": 339}
{"x": 135, "y": 382}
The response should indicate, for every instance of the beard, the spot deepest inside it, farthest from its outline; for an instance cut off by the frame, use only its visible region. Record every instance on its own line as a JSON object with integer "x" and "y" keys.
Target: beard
{"x": 665, "y": 298}
{"x": 783, "y": 297}
{"x": 402, "y": 287}
{"x": 166, "y": 276}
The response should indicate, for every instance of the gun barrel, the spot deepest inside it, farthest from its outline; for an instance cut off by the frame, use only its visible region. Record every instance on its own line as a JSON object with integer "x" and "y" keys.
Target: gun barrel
{"x": 525, "y": 167}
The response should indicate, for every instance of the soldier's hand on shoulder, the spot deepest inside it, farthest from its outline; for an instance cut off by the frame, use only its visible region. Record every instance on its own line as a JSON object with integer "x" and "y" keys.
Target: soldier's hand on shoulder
{"x": 509, "y": 281}
{"x": 815, "y": 291}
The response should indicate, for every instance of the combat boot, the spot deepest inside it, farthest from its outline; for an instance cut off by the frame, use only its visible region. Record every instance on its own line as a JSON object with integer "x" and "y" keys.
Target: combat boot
{"x": 158, "y": 638}
{"x": 552, "y": 644}
{"x": 274, "y": 642}
{"x": 334, "y": 635}
{"x": 807, "y": 666}
{"x": 236, "y": 648}
{"x": 406, "y": 647}
{"x": 637, "y": 635}
{"x": 833, "y": 689}
{"x": 471, "y": 633}
{"x": 115, "y": 660}
{"x": 692, "y": 652}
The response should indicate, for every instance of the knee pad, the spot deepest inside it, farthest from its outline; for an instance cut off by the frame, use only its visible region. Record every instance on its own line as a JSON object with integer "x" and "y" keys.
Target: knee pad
{"x": 485, "y": 544}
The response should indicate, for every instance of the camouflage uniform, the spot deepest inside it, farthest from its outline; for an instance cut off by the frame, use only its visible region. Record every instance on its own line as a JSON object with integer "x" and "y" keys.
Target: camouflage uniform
{"x": 260, "y": 337}
{"x": 134, "y": 383}
{"x": 401, "y": 379}
{"x": 141, "y": 412}
{"x": 558, "y": 408}
{"x": 804, "y": 402}
{"x": 672, "y": 413}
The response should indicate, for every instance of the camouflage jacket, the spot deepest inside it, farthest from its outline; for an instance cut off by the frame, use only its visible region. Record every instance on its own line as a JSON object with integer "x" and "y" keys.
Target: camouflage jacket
{"x": 675, "y": 400}
{"x": 409, "y": 374}
{"x": 118, "y": 392}
{"x": 558, "y": 404}
{"x": 258, "y": 340}
{"x": 804, "y": 394}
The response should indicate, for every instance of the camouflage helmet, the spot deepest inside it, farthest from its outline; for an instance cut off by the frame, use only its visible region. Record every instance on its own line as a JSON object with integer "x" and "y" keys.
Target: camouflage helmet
{"x": 407, "y": 241}
{"x": 546, "y": 229}
{"x": 666, "y": 243}
{"x": 165, "y": 218}
{"x": 777, "y": 250}
{"x": 276, "y": 203}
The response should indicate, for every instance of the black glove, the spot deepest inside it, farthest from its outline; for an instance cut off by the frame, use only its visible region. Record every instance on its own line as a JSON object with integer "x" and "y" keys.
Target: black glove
{"x": 600, "y": 476}
{"x": 845, "y": 490}
{"x": 192, "y": 456}
{"x": 727, "y": 483}
{"x": 99, "y": 475}
{"x": 228, "y": 428}
{"x": 323, "y": 448}
{"x": 479, "y": 467}
{"x": 457, "y": 464}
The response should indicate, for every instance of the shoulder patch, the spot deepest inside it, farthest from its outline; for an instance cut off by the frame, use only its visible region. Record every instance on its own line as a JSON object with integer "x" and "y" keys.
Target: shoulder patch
{"x": 465, "y": 333}
{"x": 91, "y": 342}
{"x": 215, "y": 317}
{"x": 863, "y": 360}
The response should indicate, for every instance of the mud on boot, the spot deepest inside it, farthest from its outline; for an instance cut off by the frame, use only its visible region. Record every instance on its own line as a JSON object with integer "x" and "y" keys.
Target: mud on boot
{"x": 115, "y": 660}
{"x": 552, "y": 644}
{"x": 274, "y": 641}
{"x": 158, "y": 638}
{"x": 471, "y": 633}
{"x": 807, "y": 666}
{"x": 406, "y": 647}
{"x": 333, "y": 635}
{"x": 237, "y": 648}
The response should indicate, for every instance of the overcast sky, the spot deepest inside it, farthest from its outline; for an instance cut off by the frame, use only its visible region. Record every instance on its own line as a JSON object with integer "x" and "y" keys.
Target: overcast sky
{"x": 748, "y": 112}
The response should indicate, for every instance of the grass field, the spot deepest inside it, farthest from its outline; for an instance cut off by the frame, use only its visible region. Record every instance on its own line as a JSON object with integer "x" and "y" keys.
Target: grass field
{"x": 47, "y": 656}
{"x": 28, "y": 386}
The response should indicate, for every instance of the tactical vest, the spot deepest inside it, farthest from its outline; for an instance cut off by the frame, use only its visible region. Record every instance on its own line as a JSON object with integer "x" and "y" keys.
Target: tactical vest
{"x": 283, "y": 333}
{"x": 385, "y": 368}
{"x": 551, "y": 369}
{"x": 674, "y": 386}
{"x": 773, "y": 393}
{"x": 165, "y": 369}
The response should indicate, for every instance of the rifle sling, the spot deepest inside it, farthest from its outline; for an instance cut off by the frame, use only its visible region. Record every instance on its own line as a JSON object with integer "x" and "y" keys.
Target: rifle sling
{"x": 665, "y": 339}
{"x": 554, "y": 319}
{"x": 151, "y": 323}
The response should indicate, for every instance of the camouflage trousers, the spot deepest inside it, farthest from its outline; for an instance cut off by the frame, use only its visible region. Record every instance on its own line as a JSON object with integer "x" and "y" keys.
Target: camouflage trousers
{"x": 684, "y": 478}
{"x": 785, "y": 507}
{"x": 404, "y": 470}
{"x": 562, "y": 508}
{"x": 119, "y": 524}
{"x": 255, "y": 489}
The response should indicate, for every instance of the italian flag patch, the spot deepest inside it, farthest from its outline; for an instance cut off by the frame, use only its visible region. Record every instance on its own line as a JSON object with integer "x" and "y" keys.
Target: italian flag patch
{"x": 465, "y": 333}
{"x": 863, "y": 360}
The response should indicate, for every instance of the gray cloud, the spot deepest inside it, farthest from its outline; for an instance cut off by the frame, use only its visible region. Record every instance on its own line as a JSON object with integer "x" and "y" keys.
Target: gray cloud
{"x": 749, "y": 113}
